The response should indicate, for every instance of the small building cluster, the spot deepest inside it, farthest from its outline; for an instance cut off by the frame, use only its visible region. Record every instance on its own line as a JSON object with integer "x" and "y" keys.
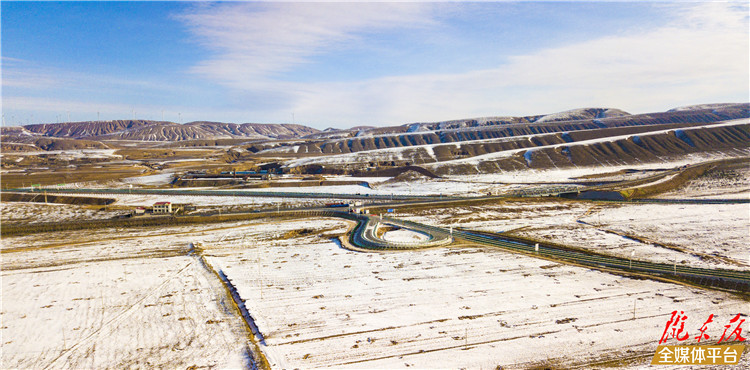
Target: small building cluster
{"x": 356, "y": 207}
{"x": 162, "y": 208}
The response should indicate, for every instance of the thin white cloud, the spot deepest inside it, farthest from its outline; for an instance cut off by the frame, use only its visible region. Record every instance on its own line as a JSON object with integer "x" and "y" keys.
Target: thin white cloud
{"x": 700, "y": 56}
{"x": 29, "y": 75}
{"x": 46, "y": 94}
{"x": 254, "y": 41}
{"x": 20, "y": 110}
{"x": 37, "y": 104}
{"x": 22, "y": 74}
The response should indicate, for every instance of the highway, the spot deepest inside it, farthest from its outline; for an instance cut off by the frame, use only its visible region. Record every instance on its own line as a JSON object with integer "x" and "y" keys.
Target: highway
{"x": 401, "y": 199}
{"x": 734, "y": 280}
{"x": 229, "y": 193}
{"x": 365, "y": 237}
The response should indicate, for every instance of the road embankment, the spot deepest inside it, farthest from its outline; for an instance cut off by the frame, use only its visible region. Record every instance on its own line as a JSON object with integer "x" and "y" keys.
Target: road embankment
{"x": 52, "y": 198}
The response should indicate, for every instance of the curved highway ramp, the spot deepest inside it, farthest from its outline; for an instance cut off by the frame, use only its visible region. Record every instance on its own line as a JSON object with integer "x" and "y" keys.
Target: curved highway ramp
{"x": 364, "y": 237}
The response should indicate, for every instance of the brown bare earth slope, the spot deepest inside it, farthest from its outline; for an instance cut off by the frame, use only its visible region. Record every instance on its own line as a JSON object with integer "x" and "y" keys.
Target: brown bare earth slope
{"x": 35, "y": 143}
{"x": 729, "y": 140}
{"x": 373, "y": 140}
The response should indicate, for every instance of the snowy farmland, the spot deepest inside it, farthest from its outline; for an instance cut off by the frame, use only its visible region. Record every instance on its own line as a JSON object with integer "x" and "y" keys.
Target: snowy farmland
{"x": 685, "y": 233}
{"x": 318, "y": 305}
{"x": 143, "y": 299}
{"x": 143, "y": 303}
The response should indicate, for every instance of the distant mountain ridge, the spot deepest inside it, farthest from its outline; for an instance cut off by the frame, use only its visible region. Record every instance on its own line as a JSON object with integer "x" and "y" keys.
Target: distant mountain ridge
{"x": 143, "y": 130}
{"x": 161, "y": 131}
{"x": 569, "y": 115}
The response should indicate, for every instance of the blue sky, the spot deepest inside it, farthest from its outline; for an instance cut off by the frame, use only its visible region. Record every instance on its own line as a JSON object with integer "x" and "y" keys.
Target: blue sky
{"x": 342, "y": 64}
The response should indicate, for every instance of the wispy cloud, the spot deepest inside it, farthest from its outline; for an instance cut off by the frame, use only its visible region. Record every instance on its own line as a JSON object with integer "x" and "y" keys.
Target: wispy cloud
{"x": 37, "y": 104}
{"x": 257, "y": 52}
{"x": 28, "y": 75}
{"x": 253, "y": 42}
{"x": 48, "y": 93}
{"x": 16, "y": 73}
{"x": 18, "y": 110}
{"x": 701, "y": 55}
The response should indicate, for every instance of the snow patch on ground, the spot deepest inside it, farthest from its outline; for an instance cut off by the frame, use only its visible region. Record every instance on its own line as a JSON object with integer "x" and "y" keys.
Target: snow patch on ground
{"x": 733, "y": 184}
{"x": 568, "y": 174}
{"x": 157, "y": 179}
{"x": 75, "y": 153}
{"x": 23, "y": 212}
{"x": 404, "y": 236}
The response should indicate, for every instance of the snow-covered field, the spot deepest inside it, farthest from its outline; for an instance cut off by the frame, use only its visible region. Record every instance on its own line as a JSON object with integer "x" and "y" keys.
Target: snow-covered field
{"x": 157, "y": 179}
{"x": 140, "y": 303}
{"x": 24, "y": 212}
{"x": 318, "y": 305}
{"x": 719, "y": 230}
{"x": 138, "y": 297}
{"x": 404, "y": 236}
{"x": 691, "y": 230}
{"x": 731, "y": 184}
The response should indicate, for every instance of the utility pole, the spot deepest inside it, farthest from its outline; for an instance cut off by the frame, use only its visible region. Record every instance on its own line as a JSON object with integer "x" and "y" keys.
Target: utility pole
{"x": 97, "y": 116}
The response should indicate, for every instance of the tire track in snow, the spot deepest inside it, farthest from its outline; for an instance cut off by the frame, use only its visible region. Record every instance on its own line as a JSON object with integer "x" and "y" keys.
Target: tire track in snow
{"x": 118, "y": 318}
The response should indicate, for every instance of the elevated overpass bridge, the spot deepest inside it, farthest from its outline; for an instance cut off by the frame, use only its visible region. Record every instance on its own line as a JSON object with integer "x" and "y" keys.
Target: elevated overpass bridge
{"x": 544, "y": 191}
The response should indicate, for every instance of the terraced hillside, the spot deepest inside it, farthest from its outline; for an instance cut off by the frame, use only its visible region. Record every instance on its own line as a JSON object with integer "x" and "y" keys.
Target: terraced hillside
{"x": 383, "y": 138}
{"x": 727, "y": 140}
{"x": 541, "y": 144}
